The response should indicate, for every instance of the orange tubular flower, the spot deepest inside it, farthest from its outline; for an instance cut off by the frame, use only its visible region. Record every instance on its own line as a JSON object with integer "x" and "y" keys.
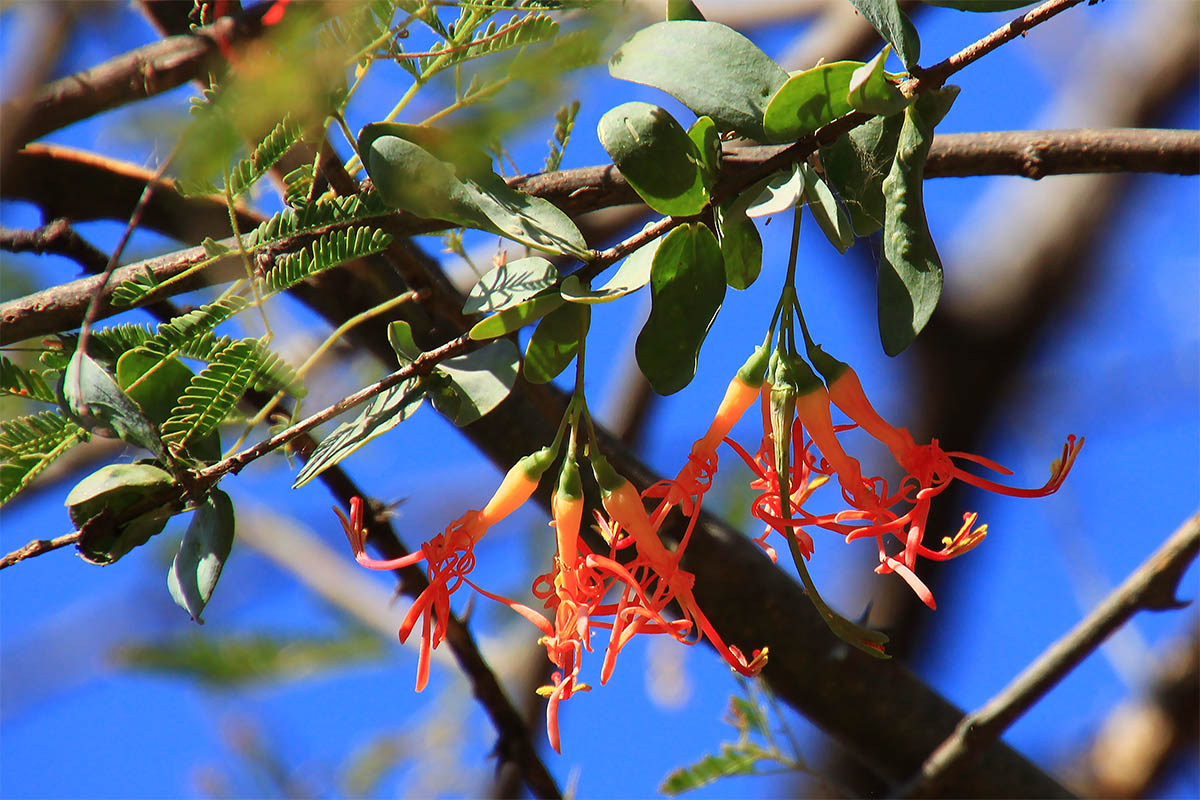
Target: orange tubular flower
{"x": 449, "y": 555}
{"x": 654, "y": 578}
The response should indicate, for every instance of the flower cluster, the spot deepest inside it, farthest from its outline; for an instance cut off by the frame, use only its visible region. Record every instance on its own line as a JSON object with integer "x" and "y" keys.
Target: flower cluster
{"x": 627, "y": 590}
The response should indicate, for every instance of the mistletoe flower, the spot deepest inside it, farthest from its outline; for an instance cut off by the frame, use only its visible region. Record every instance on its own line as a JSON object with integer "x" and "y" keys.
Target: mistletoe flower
{"x": 449, "y": 555}
{"x": 654, "y": 579}
{"x": 696, "y": 476}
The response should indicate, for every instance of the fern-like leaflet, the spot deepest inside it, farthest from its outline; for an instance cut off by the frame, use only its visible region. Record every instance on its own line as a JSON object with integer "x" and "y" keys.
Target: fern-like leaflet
{"x": 212, "y": 394}
{"x": 21, "y": 382}
{"x": 330, "y": 250}
{"x": 30, "y": 444}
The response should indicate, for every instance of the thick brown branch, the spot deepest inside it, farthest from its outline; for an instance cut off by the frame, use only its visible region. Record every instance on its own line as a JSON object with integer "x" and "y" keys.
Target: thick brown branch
{"x": 42, "y": 174}
{"x": 136, "y": 75}
{"x": 1151, "y": 587}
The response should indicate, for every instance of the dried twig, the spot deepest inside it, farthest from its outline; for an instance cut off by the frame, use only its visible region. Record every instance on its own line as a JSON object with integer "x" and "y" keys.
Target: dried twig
{"x": 1151, "y": 587}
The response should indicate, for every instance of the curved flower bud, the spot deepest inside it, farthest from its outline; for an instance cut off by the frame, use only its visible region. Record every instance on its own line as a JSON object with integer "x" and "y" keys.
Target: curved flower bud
{"x": 739, "y": 395}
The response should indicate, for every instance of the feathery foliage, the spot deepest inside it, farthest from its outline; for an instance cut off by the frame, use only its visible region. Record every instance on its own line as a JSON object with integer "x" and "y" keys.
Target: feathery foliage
{"x": 212, "y": 394}
{"x": 330, "y": 250}
{"x": 30, "y": 444}
{"x": 21, "y": 382}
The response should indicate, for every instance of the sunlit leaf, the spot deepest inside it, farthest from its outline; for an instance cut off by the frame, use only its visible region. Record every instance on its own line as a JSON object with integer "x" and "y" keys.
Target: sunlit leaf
{"x": 633, "y": 274}
{"x": 516, "y": 317}
{"x": 710, "y": 68}
{"x": 382, "y": 413}
{"x": 894, "y": 26}
{"x": 707, "y": 139}
{"x": 509, "y": 284}
{"x": 872, "y": 92}
{"x": 202, "y": 553}
{"x": 809, "y": 100}
{"x": 158, "y": 392}
{"x": 656, "y": 156}
{"x": 775, "y": 193}
{"x": 474, "y": 383}
{"x": 687, "y": 285}
{"x": 734, "y": 759}
{"x": 455, "y": 183}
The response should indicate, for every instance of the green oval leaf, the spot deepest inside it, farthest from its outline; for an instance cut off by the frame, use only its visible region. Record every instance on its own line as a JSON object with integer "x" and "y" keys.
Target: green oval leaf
{"x": 96, "y": 502}
{"x": 95, "y": 401}
{"x": 400, "y": 337}
{"x": 384, "y": 412}
{"x": 633, "y": 274}
{"x": 516, "y": 317}
{"x": 826, "y": 211}
{"x": 894, "y": 26}
{"x": 710, "y": 68}
{"x": 555, "y": 342}
{"x": 872, "y": 92}
{"x": 455, "y": 183}
{"x": 687, "y": 286}
{"x": 741, "y": 246}
{"x": 509, "y": 284}
{"x": 656, "y": 156}
{"x": 206, "y": 544}
{"x": 705, "y": 136}
{"x": 910, "y": 271}
{"x": 809, "y": 100}
{"x": 474, "y": 383}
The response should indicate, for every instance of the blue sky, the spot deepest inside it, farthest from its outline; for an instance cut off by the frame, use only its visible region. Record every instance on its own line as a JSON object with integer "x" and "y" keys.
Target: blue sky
{"x": 1122, "y": 368}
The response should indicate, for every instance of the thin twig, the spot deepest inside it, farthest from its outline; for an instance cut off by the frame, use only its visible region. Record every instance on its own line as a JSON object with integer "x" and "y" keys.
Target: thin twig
{"x": 37, "y": 547}
{"x": 1151, "y": 587}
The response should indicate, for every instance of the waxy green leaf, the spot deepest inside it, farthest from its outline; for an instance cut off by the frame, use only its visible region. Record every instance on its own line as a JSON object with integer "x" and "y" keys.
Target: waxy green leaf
{"x": 99, "y": 499}
{"x": 633, "y": 274}
{"x": 475, "y": 383}
{"x": 687, "y": 287}
{"x": 400, "y": 337}
{"x": 656, "y": 156}
{"x": 894, "y": 26}
{"x": 202, "y": 553}
{"x": 872, "y": 92}
{"x": 741, "y": 245}
{"x": 384, "y": 412}
{"x": 555, "y": 342}
{"x": 95, "y": 401}
{"x": 509, "y": 284}
{"x": 809, "y": 100}
{"x": 516, "y": 317}
{"x": 707, "y": 139}
{"x": 910, "y": 271}
{"x": 455, "y": 183}
{"x": 826, "y": 211}
{"x": 710, "y": 68}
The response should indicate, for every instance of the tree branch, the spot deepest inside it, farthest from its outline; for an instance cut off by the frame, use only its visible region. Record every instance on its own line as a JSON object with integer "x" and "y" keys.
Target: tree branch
{"x": 1151, "y": 587}
{"x": 139, "y": 74}
{"x": 42, "y": 173}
